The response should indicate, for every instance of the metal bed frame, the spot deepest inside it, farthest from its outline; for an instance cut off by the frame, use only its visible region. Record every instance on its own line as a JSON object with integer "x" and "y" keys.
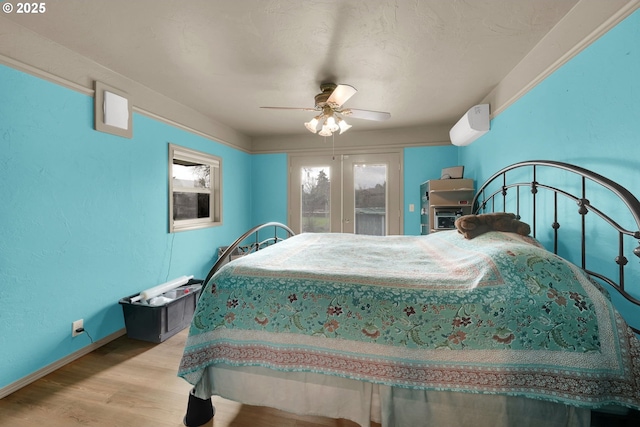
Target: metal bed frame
{"x": 487, "y": 201}
{"x": 200, "y": 411}
{"x": 236, "y": 248}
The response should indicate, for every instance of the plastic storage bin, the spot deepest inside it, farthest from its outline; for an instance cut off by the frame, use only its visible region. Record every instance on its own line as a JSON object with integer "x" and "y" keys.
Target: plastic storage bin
{"x": 156, "y": 323}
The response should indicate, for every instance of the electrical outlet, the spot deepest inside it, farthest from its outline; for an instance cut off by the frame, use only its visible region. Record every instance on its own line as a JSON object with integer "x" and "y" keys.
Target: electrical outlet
{"x": 78, "y": 324}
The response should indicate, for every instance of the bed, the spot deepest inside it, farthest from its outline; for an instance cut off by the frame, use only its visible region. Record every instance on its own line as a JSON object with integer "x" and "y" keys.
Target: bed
{"x": 437, "y": 329}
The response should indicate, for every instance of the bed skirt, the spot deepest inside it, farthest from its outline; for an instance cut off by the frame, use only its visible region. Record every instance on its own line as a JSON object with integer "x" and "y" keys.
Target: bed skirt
{"x": 307, "y": 393}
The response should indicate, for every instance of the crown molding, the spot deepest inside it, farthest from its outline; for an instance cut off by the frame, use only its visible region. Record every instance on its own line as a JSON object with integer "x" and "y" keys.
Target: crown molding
{"x": 587, "y": 21}
{"x": 380, "y": 139}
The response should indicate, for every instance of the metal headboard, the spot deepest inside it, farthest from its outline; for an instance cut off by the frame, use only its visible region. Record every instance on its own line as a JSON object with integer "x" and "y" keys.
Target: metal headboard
{"x": 497, "y": 188}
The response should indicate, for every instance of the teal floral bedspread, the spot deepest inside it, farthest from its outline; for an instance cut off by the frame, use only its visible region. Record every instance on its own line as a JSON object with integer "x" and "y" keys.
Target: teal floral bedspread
{"x": 496, "y": 314}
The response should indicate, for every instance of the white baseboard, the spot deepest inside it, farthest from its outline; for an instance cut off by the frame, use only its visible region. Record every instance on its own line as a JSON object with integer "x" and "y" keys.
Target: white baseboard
{"x": 7, "y": 390}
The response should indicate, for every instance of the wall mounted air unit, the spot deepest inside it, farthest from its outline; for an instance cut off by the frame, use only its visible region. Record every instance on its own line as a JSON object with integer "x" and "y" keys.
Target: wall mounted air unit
{"x": 471, "y": 126}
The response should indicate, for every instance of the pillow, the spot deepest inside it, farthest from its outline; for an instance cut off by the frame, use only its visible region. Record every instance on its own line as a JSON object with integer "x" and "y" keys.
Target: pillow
{"x": 471, "y": 226}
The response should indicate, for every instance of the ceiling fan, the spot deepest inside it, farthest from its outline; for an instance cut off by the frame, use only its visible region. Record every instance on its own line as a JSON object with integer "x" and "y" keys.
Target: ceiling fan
{"x": 329, "y": 103}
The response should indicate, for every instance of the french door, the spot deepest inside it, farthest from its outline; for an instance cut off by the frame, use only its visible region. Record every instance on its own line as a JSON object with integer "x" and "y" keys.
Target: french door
{"x": 350, "y": 193}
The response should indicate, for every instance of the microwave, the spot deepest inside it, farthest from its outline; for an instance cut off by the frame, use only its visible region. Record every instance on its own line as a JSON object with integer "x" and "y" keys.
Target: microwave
{"x": 445, "y": 220}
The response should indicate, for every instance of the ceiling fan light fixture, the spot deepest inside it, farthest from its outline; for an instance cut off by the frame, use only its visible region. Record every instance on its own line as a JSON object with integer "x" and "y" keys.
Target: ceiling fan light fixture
{"x": 312, "y": 125}
{"x": 343, "y": 125}
{"x": 329, "y": 104}
{"x": 325, "y": 131}
{"x": 331, "y": 124}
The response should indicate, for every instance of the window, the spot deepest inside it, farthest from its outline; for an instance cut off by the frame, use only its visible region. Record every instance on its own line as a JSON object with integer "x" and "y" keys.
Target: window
{"x": 194, "y": 189}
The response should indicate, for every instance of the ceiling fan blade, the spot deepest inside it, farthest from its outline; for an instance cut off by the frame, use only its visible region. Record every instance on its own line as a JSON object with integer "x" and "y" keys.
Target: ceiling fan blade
{"x": 292, "y": 108}
{"x": 341, "y": 94}
{"x": 366, "y": 114}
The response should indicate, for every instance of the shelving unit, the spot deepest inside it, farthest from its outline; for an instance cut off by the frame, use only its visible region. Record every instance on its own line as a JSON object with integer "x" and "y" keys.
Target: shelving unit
{"x": 442, "y": 200}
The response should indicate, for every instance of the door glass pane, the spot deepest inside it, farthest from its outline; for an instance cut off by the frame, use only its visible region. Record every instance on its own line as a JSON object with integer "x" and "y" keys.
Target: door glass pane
{"x": 370, "y": 186}
{"x": 315, "y": 199}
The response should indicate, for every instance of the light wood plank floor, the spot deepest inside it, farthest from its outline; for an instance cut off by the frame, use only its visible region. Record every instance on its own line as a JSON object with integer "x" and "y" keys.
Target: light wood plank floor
{"x": 130, "y": 383}
{"x": 133, "y": 383}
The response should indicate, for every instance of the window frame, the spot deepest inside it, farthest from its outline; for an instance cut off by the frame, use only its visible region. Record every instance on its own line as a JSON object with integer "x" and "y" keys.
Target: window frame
{"x": 180, "y": 153}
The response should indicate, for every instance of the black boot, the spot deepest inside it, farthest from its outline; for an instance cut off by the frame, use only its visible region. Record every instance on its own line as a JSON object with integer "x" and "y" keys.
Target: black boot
{"x": 199, "y": 411}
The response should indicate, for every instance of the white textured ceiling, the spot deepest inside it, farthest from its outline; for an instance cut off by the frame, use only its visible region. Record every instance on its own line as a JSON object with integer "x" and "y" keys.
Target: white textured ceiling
{"x": 424, "y": 61}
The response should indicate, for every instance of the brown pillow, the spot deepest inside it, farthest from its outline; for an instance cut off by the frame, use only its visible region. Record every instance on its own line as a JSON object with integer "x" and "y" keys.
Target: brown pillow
{"x": 471, "y": 226}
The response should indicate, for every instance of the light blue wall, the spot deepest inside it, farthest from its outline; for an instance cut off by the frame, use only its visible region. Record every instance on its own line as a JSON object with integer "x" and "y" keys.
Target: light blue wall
{"x": 84, "y": 219}
{"x": 269, "y": 186}
{"x": 422, "y": 164}
{"x": 586, "y": 113}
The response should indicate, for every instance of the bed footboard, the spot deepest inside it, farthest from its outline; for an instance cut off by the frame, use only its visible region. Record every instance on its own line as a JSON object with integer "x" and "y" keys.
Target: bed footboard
{"x": 278, "y": 231}
{"x": 200, "y": 411}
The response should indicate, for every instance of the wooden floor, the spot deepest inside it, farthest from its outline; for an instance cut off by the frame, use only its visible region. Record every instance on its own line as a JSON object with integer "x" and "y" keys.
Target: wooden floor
{"x": 133, "y": 383}
{"x": 130, "y": 383}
